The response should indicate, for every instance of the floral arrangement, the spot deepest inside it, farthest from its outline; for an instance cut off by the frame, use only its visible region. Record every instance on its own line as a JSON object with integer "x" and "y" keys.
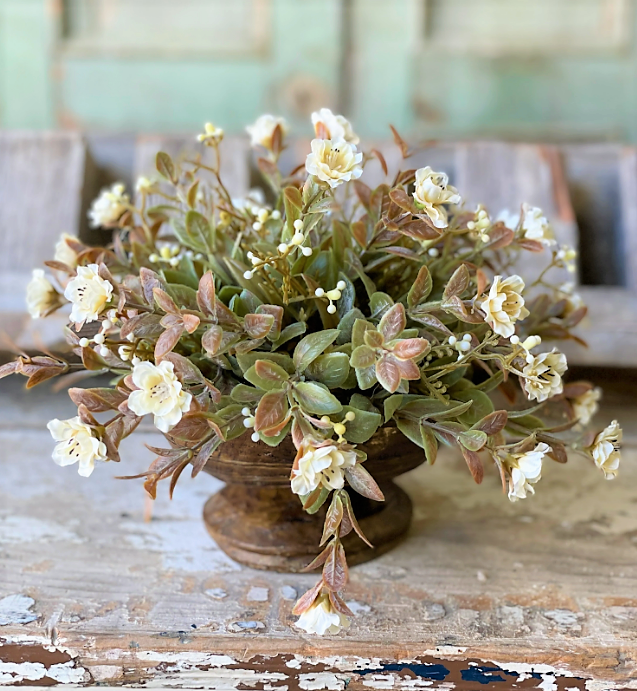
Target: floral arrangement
{"x": 323, "y": 315}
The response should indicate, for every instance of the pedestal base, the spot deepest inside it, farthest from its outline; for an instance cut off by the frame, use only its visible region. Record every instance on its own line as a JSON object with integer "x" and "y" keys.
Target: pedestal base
{"x": 266, "y": 527}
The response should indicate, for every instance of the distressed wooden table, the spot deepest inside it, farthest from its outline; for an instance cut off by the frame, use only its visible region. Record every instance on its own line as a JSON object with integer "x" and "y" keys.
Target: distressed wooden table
{"x": 483, "y": 594}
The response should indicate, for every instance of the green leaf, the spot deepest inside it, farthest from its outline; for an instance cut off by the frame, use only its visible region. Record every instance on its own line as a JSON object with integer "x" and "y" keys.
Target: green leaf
{"x": 379, "y": 303}
{"x": 277, "y": 439}
{"x": 358, "y": 332}
{"x": 363, "y": 403}
{"x": 247, "y": 360}
{"x": 165, "y": 166}
{"x": 430, "y": 444}
{"x": 245, "y": 394}
{"x": 198, "y": 228}
{"x": 411, "y": 429}
{"x": 331, "y": 369}
{"x": 530, "y": 422}
{"x": 473, "y": 439}
{"x": 346, "y": 325}
{"x": 184, "y": 297}
{"x": 363, "y": 356}
{"x": 482, "y": 405}
{"x": 321, "y": 497}
{"x": 366, "y": 377}
{"x": 391, "y": 405}
{"x": 315, "y": 399}
{"x": 310, "y": 347}
{"x": 290, "y": 332}
{"x": 363, "y": 426}
{"x": 264, "y": 383}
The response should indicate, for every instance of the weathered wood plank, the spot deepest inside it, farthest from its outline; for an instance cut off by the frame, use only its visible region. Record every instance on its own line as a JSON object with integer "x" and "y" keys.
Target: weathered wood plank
{"x": 42, "y": 181}
{"x": 541, "y": 593}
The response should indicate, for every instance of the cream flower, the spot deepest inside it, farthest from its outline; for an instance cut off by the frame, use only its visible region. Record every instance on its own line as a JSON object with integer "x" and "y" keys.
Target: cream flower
{"x": 64, "y": 252}
{"x": 535, "y": 225}
{"x": 334, "y": 161}
{"x": 322, "y": 618}
{"x": 160, "y": 393}
{"x": 586, "y": 405}
{"x": 41, "y": 295}
{"x": 504, "y": 305}
{"x": 526, "y": 470}
{"x": 109, "y": 206}
{"x": 431, "y": 192}
{"x": 146, "y": 185}
{"x": 330, "y": 126}
{"x": 605, "y": 450}
{"x": 320, "y": 465}
{"x": 76, "y": 445}
{"x": 262, "y": 131}
{"x": 543, "y": 375}
{"x": 211, "y": 135}
{"x": 89, "y": 293}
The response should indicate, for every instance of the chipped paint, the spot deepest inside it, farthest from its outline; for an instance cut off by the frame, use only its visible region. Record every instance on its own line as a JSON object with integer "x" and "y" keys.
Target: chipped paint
{"x": 257, "y": 594}
{"x": 16, "y": 609}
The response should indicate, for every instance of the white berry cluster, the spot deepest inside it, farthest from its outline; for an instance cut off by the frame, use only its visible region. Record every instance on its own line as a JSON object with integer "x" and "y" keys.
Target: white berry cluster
{"x": 331, "y": 295}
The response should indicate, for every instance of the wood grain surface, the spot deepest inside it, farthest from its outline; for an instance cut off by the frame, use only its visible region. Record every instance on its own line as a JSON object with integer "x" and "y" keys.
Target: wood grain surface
{"x": 482, "y": 594}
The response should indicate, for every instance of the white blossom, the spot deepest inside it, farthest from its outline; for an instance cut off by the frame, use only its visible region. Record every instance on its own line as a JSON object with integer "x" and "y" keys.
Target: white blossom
{"x": 159, "y": 392}
{"x": 542, "y": 375}
{"x": 211, "y": 135}
{"x": 431, "y": 192}
{"x": 109, "y": 206}
{"x": 320, "y": 465}
{"x": 262, "y": 131}
{"x": 504, "y": 305}
{"x": 605, "y": 450}
{"x": 334, "y": 161}
{"x": 586, "y": 405}
{"x": 41, "y": 295}
{"x": 146, "y": 185}
{"x": 322, "y": 618}
{"x": 535, "y": 226}
{"x": 88, "y": 293}
{"x": 509, "y": 218}
{"x": 64, "y": 252}
{"x": 333, "y": 126}
{"x": 526, "y": 470}
{"x": 77, "y": 444}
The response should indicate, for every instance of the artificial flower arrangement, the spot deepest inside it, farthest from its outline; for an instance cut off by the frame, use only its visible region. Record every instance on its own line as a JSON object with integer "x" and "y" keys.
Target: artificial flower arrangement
{"x": 330, "y": 312}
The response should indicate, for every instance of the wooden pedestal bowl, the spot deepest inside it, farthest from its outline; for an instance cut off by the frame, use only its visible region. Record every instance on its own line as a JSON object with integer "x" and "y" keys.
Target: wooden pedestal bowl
{"x": 257, "y": 520}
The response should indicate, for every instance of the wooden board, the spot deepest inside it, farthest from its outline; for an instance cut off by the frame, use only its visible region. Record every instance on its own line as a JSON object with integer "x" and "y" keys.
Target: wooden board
{"x": 42, "y": 186}
{"x": 482, "y": 594}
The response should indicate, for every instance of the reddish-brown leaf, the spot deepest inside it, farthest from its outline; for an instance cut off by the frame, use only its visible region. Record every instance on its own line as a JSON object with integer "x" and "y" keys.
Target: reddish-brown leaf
{"x": 473, "y": 463}
{"x": 393, "y": 322}
{"x": 419, "y": 229}
{"x": 307, "y": 599}
{"x": 271, "y": 411}
{"x": 335, "y": 571}
{"x": 388, "y": 373}
{"x": 190, "y": 322}
{"x": 408, "y": 370}
{"x": 165, "y": 301}
{"x": 167, "y": 341}
{"x": 362, "y": 482}
{"x": 500, "y": 236}
{"x": 363, "y": 192}
{"x": 349, "y": 520}
{"x": 458, "y": 283}
{"x": 381, "y": 160}
{"x": 410, "y": 348}
{"x": 211, "y": 340}
{"x": 531, "y": 245}
{"x": 149, "y": 281}
{"x": 97, "y": 400}
{"x": 333, "y": 519}
{"x": 403, "y": 200}
{"x": 493, "y": 423}
{"x": 258, "y": 325}
{"x": 277, "y": 313}
{"x": 206, "y": 294}
{"x": 404, "y": 147}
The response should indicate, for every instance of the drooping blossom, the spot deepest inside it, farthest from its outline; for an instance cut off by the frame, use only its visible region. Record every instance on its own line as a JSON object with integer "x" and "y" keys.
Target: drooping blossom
{"x": 76, "y": 444}
{"x": 88, "y": 294}
{"x": 504, "y": 305}
{"x": 543, "y": 375}
{"x": 432, "y": 192}
{"x": 606, "y": 450}
{"x": 526, "y": 470}
{"x": 317, "y": 464}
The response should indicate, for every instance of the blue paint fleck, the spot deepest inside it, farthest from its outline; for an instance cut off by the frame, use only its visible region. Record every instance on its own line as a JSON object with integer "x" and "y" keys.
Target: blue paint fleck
{"x": 482, "y": 674}
{"x": 424, "y": 671}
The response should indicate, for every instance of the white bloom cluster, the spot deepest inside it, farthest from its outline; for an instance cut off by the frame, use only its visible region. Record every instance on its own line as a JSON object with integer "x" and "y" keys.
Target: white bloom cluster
{"x": 262, "y": 131}
{"x": 542, "y": 376}
{"x": 88, "y": 294}
{"x": 320, "y": 465}
{"x": 504, "y": 305}
{"x": 77, "y": 444}
{"x": 526, "y": 470}
{"x": 211, "y": 135}
{"x": 432, "y": 192}
{"x": 321, "y": 618}
{"x": 535, "y": 225}
{"x": 41, "y": 295}
{"x": 327, "y": 125}
{"x": 606, "y": 448}
{"x": 109, "y": 206}
{"x": 158, "y": 392}
{"x": 586, "y": 405}
{"x": 334, "y": 161}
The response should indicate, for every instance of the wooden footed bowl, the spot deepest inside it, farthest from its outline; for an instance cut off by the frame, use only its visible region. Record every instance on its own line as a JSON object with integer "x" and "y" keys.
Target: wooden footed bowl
{"x": 259, "y": 522}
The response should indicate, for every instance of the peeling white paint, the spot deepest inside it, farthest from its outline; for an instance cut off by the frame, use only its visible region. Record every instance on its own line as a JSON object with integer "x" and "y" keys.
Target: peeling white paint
{"x": 379, "y": 681}
{"x": 321, "y": 680}
{"x": 16, "y": 609}
{"x": 15, "y": 530}
{"x": 443, "y": 650}
{"x": 256, "y": 594}
{"x": 66, "y": 673}
{"x": 357, "y": 608}
{"x": 186, "y": 659}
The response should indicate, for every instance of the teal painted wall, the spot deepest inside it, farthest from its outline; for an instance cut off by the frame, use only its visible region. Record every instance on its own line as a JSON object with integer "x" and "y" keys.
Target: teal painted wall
{"x": 378, "y": 60}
